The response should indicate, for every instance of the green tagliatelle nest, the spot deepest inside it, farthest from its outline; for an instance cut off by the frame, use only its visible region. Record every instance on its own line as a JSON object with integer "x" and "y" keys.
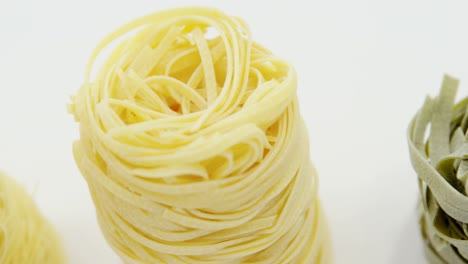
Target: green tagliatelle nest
{"x": 441, "y": 162}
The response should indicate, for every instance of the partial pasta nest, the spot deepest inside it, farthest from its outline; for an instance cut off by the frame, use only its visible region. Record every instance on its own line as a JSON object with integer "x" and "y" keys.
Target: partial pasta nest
{"x": 25, "y": 236}
{"x": 437, "y": 141}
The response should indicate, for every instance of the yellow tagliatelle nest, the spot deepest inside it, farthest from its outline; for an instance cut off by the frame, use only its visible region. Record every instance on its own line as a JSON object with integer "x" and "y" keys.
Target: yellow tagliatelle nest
{"x": 25, "y": 236}
{"x": 194, "y": 149}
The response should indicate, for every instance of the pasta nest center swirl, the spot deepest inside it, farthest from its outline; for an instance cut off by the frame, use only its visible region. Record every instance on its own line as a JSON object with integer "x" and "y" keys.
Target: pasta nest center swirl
{"x": 188, "y": 89}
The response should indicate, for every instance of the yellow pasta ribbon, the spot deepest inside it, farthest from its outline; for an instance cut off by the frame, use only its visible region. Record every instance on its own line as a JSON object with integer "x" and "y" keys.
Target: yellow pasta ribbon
{"x": 25, "y": 236}
{"x": 193, "y": 147}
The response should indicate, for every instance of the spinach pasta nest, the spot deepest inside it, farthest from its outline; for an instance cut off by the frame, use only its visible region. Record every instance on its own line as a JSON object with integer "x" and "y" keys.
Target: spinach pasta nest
{"x": 441, "y": 162}
{"x": 193, "y": 147}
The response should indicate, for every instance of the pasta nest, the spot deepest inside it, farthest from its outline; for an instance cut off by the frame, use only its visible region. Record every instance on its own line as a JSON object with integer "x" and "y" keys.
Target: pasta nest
{"x": 25, "y": 235}
{"x": 438, "y": 148}
{"x": 193, "y": 147}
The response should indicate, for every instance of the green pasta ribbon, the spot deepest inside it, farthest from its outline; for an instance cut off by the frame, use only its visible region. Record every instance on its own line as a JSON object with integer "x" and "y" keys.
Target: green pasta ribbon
{"x": 441, "y": 162}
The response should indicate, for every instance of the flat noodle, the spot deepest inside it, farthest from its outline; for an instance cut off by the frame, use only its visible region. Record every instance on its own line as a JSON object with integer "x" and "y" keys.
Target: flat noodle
{"x": 441, "y": 162}
{"x": 25, "y": 236}
{"x": 194, "y": 149}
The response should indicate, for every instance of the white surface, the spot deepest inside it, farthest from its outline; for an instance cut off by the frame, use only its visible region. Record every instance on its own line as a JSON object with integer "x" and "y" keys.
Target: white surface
{"x": 364, "y": 69}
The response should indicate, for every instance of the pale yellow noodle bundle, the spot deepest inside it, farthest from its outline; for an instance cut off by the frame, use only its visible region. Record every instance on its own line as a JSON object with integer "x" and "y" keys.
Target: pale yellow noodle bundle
{"x": 25, "y": 236}
{"x": 194, "y": 149}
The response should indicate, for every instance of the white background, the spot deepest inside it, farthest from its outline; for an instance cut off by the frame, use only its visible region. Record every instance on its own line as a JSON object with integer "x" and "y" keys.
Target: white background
{"x": 364, "y": 69}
